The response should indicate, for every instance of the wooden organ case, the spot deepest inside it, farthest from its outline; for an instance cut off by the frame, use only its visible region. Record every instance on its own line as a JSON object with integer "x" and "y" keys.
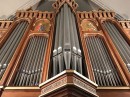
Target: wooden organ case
{"x": 64, "y": 53}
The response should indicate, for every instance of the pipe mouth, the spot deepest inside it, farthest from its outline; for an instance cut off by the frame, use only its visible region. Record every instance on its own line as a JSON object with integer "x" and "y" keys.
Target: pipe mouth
{"x": 74, "y": 49}
{"x": 54, "y": 52}
{"x": 4, "y": 65}
{"x": 59, "y": 47}
{"x": 128, "y": 64}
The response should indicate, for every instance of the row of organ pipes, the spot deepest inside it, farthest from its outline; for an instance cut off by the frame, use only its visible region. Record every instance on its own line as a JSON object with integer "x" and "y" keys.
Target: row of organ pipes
{"x": 67, "y": 52}
{"x": 7, "y": 50}
{"x": 29, "y": 72}
{"x": 103, "y": 66}
{"x": 119, "y": 41}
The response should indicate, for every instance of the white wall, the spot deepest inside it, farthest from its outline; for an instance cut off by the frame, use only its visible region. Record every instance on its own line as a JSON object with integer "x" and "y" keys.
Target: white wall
{"x": 121, "y": 6}
{"x": 9, "y": 6}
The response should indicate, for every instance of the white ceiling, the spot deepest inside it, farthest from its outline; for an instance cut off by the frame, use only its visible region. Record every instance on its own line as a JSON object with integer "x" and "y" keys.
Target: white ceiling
{"x": 7, "y": 7}
{"x": 120, "y": 6}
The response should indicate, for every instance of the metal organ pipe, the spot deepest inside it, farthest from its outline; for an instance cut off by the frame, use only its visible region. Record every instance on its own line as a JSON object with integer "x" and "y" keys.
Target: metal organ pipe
{"x": 121, "y": 44}
{"x": 29, "y": 72}
{"x": 103, "y": 66}
{"x": 9, "y": 47}
{"x": 66, "y": 53}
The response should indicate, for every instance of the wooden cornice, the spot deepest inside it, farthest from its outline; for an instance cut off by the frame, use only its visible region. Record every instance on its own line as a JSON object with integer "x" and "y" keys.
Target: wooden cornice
{"x": 34, "y": 14}
{"x": 125, "y": 24}
{"x": 96, "y": 14}
{"x": 4, "y": 25}
{"x": 104, "y": 14}
{"x": 126, "y": 27}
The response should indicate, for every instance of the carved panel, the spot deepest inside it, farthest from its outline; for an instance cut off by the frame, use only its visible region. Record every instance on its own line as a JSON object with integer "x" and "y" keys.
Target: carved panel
{"x": 42, "y": 25}
{"x": 68, "y": 78}
{"x": 4, "y": 25}
{"x": 126, "y": 27}
{"x": 87, "y": 25}
{"x": 54, "y": 86}
{"x": 85, "y": 15}
{"x": 125, "y": 24}
{"x": 57, "y": 5}
{"x": 104, "y": 14}
{"x": 84, "y": 86}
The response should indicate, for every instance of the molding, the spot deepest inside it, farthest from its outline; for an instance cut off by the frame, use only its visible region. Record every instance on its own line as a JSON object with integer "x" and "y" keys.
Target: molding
{"x": 21, "y": 88}
{"x": 125, "y": 24}
{"x": 51, "y": 79}
{"x": 68, "y": 78}
{"x": 58, "y": 4}
{"x": 113, "y": 88}
{"x": 64, "y": 72}
{"x": 37, "y": 14}
{"x": 95, "y": 14}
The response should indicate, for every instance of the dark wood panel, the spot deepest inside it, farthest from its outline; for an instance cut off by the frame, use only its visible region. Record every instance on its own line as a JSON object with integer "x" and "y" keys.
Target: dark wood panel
{"x": 113, "y": 93}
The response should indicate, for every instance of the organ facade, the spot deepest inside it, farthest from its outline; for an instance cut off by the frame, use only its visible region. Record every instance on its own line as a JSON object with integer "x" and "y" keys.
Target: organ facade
{"x": 65, "y": 48}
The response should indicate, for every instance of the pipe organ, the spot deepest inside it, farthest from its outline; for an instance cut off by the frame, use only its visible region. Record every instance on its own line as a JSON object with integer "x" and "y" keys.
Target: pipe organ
{"x": 67, "y": 50}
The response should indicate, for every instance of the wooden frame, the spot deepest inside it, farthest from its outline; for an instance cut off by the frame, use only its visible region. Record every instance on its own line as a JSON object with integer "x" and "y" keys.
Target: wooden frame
{"x": 82, "y": 35}
{"x": 10, "y": 65}
{"x": 116, "y": 53}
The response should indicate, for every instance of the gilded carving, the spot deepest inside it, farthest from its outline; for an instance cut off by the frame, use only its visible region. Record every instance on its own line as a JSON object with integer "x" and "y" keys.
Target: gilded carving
{"x": 84, "y": 86}
{"x": 42, "y": 25}
{"x": 54, "y": 86}
{"x": 88, "y": 26}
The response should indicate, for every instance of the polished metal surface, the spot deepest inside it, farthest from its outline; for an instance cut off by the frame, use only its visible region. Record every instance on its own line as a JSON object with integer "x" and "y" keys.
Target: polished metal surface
{"x": 67, "y": 52}
{"x": 9, "y": 47}
{"x": 29, "y": 72}
{"x": 119, "y": 41}
{"x": 103, "y": 66}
